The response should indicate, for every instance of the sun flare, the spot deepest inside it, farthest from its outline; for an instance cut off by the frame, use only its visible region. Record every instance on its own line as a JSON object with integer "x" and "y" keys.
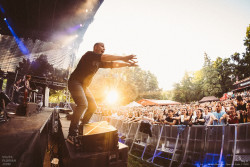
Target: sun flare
{"x": 112, "y": 96}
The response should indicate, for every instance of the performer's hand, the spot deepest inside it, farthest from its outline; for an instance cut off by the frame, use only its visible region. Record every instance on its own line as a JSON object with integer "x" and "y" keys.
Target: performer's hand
{"x": 129, "y": 57}
{"x": 133, "y": 63}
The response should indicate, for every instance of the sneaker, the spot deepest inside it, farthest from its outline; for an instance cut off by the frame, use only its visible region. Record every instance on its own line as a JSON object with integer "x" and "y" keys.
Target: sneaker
{"x": 73, "y": 140}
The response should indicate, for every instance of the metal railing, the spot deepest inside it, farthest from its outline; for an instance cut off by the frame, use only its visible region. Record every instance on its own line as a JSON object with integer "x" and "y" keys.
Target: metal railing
{"x": 180, "y": 145}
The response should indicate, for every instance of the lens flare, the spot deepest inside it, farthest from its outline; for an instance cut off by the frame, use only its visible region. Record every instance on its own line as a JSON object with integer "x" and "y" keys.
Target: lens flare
{"x": 112, "y": 97}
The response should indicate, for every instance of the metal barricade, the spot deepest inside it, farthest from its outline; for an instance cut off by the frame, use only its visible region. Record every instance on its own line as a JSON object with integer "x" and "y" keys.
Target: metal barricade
{"x": 214, "y": 144}
{"x": 125, "y": 129}
{"x": 194, "y": 150}
{"x": 134, "y": 127}
{"x": 166, "y": 146}
{"x": 138, "y": 144}
{"x": 152, "y": 142}
{"x": 113, "y": 121}
{"x": 95, "y": 118}
{"x": 242, "y": 145}
{"x": 180, "y": 145}
{"x": 105, "y": 118}
{"x": 118, "y": 126}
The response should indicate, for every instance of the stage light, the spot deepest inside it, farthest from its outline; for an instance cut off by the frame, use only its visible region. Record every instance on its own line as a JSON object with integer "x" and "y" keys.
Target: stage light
{"x": 19, "y": 42}
{"x": 80, "y": 25}
{"x": 112, "y": 97}
{"x": 86, "y": 10}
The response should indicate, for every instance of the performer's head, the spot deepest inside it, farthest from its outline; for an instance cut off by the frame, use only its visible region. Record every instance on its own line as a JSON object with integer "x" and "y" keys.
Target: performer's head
{"x": 28, "y": 77}
{"x": 99, "y": 48}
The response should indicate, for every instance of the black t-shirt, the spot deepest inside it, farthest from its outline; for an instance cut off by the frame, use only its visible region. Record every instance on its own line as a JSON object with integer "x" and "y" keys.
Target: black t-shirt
{"x": 243, "y": 108}
{"x": 86, "y": 68}
{"x": 199, "y": 122}
{"x": 169, "y": 119}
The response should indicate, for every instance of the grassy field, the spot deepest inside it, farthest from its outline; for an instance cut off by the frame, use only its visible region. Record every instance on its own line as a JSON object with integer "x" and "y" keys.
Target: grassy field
{"x": 135, "y": 162}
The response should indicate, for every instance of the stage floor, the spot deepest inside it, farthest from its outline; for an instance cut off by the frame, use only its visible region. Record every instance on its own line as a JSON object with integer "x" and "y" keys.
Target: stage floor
{"x": 22, "y": 135}
{"x": 25, "y": 142}
{"x": 19, "y": 124}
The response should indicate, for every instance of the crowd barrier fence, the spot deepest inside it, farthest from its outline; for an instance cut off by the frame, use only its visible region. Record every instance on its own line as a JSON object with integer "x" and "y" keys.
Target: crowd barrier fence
{"x": 180, "y": 145}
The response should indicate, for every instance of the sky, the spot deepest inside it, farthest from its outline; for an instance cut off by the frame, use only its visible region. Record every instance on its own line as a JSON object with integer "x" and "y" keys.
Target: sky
{"x": 170, "y": 37}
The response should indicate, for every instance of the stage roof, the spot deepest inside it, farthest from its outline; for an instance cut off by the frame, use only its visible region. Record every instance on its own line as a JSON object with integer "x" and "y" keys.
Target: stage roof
{"x": 47, "y": 20}
{"x": 209, "y": 99}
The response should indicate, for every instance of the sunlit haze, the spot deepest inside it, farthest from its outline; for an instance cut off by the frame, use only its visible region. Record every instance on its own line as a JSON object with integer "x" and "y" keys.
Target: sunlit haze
{"x": 112, "y": 97}
{"x": 170, "y": 37}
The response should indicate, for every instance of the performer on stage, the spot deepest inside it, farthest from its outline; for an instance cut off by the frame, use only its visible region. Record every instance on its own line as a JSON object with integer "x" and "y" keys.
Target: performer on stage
{"x": 27, "y": 88}
{"x": 17, "y": 87}
{"x": 81, "y": 78}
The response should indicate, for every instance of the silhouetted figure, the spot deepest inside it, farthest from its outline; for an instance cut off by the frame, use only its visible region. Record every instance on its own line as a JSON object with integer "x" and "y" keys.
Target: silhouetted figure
{"x": 81, "y": 78}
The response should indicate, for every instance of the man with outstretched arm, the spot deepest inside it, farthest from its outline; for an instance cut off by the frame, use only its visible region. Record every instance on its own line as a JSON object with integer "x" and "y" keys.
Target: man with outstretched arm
{"x": 81, "y": 78}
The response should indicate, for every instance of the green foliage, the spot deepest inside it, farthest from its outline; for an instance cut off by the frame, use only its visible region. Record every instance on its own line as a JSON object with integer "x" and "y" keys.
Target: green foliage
{"x": 4, "y": 85}
{"x": 24, "y": 66}
{"x": 57, "y": 96}
{"x": 131, "y": 83}
{"x": 42, "y": 68}
{"x": 136, "y": 162}
{"x": 215, "y": 77}
{"x": 211, "y": 78}
{"x": 241, "y": 63}
{"x": 198, "y": 83}
{"x": 167, "y": 95}
{"x": 224, "y": 69}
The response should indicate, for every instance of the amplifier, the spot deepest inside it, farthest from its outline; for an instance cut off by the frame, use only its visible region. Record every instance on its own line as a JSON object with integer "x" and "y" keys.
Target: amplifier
{"x": 26, "y": 109}
{"x": 118, "y": 158}
{"x": 31, "y": 109}
{"x": 98, "y": 137}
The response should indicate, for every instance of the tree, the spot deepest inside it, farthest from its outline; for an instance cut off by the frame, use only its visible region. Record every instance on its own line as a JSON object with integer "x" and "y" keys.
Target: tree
{"x": 177, "y": 92}
{"x": 198, "y": 82}
{"x": 224, "y": 69}
{"x": 211, "y": 84}
{"x": 241, "y": 66}
{"x": 41, "y": 66}
{"x": 215, "y": 77}
{"x": 24, "y": 66}
{"x": 131, "y": 83}
{"x": 247, "y": 54}
{"x": 187, "y": 87}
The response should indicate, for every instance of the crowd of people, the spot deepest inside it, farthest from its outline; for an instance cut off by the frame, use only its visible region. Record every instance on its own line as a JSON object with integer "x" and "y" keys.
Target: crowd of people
{"x": 233, "y": 110}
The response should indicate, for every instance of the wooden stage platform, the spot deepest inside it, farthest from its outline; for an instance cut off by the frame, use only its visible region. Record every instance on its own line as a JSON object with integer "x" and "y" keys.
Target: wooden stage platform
{"x": 24, "y": 140}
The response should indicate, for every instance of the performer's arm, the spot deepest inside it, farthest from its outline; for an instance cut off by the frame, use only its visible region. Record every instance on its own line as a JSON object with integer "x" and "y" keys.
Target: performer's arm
{"x": 170, "y": 123}
{"x": 118, "y": 64}
{"x": 106, "y": 57}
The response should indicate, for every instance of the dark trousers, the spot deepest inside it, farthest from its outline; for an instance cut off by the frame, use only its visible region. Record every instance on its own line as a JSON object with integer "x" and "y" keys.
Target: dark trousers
{"x": 85, "y": 103}
{"x": 16, "y": 97}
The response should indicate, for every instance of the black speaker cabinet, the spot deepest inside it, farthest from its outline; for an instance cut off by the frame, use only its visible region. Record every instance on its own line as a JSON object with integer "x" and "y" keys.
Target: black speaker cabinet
{"x": 99, "y": 137}
{"x": 118, "y": 158}
{"x": 26, "y": 109}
